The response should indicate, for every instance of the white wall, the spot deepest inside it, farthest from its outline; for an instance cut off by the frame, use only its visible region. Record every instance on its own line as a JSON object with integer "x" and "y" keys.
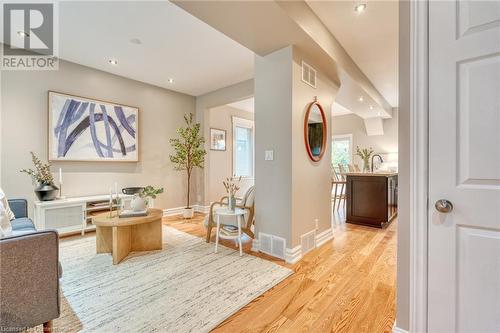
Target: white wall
{"x": 381, "y": 144}
{"x": 24, "y": 129}
{"x": 220, "y": 164}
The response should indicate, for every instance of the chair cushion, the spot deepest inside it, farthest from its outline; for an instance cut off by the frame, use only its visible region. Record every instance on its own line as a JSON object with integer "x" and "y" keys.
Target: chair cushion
{"x": 23, "y": 224}
{"x": 21, "y": 232}
{"x": 5, "y": 226}
{"x": 3, "y": 198}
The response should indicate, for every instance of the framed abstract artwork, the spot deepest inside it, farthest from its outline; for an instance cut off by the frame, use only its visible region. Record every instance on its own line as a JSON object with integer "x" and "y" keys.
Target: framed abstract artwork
{"x": 217, "y": 139}
{"x": 84, "y": 129}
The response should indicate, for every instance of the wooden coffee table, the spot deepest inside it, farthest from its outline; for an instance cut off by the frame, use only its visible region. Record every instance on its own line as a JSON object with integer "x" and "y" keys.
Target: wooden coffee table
{"x": 119, "y": 236}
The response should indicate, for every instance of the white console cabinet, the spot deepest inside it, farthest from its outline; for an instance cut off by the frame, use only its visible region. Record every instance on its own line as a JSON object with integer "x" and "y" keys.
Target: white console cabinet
{"x": 72, "y": 215}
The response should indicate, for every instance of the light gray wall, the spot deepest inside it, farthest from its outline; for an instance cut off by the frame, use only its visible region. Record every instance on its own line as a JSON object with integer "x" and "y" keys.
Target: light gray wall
{"x": 291, "y": 190}
{"x": 24, "y": 129}
{"x": 273, "y": 131}
{"x": 403, "y": 260}
{"x": 221, "y": 162}
{"x": 204, "y": 103}
{"x": 353, "y": 124}
{"x": 311, "y": 187}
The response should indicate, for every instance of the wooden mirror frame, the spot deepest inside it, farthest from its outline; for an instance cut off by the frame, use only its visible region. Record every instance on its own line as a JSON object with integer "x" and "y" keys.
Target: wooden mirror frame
{"x": 306, "y": 132}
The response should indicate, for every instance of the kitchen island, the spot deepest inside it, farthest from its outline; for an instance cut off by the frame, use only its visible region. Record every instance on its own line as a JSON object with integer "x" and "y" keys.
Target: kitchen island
{"x": 371, "y": 198}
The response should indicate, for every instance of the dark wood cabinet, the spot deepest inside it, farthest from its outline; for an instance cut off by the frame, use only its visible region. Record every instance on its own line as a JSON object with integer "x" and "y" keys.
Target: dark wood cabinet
{"x": 371, "y": 199}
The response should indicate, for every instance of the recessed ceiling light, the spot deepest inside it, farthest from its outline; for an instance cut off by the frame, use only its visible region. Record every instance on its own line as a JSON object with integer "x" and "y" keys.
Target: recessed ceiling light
{"x": 360, "y": 98}
{"x": 113, "y": 61}
{"x": 170, "y": 80}
{"x": 371, "y": 107}
{"x": 23, "y": 34}
{"x": 379, "y": 114}
{"x": 360, "y": 7}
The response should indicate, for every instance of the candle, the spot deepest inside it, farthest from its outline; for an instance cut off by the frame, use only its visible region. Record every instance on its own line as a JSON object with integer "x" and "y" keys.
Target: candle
{"x": 60, "y": 176}
{"x": 110, "y": 203}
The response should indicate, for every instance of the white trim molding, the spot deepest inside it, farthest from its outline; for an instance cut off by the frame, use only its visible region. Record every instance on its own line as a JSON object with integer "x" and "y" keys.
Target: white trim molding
{"x": 255, "y": 245}
{"x": 398, "y": 330}
{"x": 249, "y": 124}
{"x": 179, "y": 210}
{"x": 323, "y": 237}
{"x": 419, "y": 151}
{"x": 202, "y": 209}
{"x": 293, "y": 255}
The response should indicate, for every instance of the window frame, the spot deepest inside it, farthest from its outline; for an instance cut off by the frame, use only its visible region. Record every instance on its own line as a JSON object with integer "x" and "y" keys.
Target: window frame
{"x": 249, "y": 124}
{"x": 341, "y": 137}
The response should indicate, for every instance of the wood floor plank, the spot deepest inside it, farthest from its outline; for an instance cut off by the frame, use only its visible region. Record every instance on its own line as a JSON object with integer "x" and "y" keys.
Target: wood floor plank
{"x": 347, "y": 285}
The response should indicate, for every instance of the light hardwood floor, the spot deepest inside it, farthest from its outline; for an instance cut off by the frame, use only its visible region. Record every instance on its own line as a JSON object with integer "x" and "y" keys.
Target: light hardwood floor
{"x": 347, "y": 285}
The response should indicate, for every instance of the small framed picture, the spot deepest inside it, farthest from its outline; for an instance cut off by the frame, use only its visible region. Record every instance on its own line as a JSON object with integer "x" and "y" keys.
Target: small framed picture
{"x": 217, "y": 139}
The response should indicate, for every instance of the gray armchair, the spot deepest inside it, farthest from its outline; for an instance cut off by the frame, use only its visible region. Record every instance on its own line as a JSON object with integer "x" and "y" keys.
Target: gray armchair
{"x": 29, "y": 274}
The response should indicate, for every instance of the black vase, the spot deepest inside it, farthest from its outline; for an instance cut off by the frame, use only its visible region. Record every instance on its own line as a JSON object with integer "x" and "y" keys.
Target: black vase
{"x": 46, "y": 192}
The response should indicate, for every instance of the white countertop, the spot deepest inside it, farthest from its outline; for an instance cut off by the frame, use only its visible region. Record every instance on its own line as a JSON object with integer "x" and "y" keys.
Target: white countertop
{"x": 372, "y": 174}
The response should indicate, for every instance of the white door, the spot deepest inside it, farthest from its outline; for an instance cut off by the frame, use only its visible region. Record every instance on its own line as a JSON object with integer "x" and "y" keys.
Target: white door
{"x": 464, "y": 129}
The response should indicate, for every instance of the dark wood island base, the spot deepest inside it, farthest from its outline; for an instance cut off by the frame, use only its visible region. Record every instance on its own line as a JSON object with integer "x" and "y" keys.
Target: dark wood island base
{"x": 371, "y": 198}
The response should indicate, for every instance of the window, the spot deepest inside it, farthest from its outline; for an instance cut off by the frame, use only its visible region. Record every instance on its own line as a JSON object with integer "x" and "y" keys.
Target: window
{"x": 341, "y": 149}
{"x": 243, "y": 147}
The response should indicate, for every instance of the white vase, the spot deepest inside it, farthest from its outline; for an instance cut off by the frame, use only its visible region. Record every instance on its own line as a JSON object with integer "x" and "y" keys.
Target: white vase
{"x": 138, "y": 204}
{"x": 188, "y": 213}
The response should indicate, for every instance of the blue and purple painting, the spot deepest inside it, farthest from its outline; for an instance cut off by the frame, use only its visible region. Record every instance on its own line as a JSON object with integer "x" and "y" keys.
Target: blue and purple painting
{"x": 82, "y": 129}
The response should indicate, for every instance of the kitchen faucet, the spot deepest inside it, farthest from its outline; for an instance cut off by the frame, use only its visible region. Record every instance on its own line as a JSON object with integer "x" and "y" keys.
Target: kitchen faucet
{"x": 380, "y": 158}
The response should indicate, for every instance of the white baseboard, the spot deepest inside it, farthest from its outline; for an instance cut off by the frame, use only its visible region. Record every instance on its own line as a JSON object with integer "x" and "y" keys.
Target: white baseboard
{"x": 255, "y": 245}
{"x": 293, "y": 255}
{"x": 172, "y": 211}
{"x": 202, "y": 209}
{"x": 179, "y": 210}
{"x": 398, "y": 330}
{"x": 323, "y": 237}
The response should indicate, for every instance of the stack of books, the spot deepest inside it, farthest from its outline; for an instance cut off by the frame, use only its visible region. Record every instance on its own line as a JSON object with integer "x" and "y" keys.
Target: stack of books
{"x": 131, "y": 213}
{"x": 229, "y": 230}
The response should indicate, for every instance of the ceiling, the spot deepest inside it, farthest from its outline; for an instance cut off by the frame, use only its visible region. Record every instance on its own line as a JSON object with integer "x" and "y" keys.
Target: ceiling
{"x": 154, "y": 41}
{"x": 173, "y": 44}
{"x": 245, "y": 105}
{"x": 369, "y": 37}
{"x": 339, "y": 110}
{"x": 249, "y": 106}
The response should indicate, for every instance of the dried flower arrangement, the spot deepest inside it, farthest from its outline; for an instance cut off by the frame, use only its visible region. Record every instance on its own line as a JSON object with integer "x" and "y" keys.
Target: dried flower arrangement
{"x": 41, "y": 174}
{"x": 232, "y": 185}
{"x": 365, "y": 155}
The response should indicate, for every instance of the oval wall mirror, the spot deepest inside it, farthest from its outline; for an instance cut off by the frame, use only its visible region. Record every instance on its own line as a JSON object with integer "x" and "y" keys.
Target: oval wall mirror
{"x": 315, "y": 131}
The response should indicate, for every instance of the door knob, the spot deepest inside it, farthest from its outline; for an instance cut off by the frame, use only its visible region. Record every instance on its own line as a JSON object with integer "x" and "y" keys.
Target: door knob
{"x": 443, "y": 206}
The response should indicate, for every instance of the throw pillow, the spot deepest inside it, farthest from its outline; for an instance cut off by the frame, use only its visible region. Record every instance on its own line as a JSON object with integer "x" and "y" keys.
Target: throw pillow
{"x": 3, "y": 199}
{"x": 5, "y": 226}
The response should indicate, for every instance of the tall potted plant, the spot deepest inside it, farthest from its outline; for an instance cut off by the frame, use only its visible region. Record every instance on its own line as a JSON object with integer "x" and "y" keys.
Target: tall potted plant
{"x": 188, "y": 154}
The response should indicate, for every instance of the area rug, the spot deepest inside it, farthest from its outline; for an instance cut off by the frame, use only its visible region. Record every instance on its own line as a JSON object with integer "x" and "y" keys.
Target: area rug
{"x": 185, "y": 287}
